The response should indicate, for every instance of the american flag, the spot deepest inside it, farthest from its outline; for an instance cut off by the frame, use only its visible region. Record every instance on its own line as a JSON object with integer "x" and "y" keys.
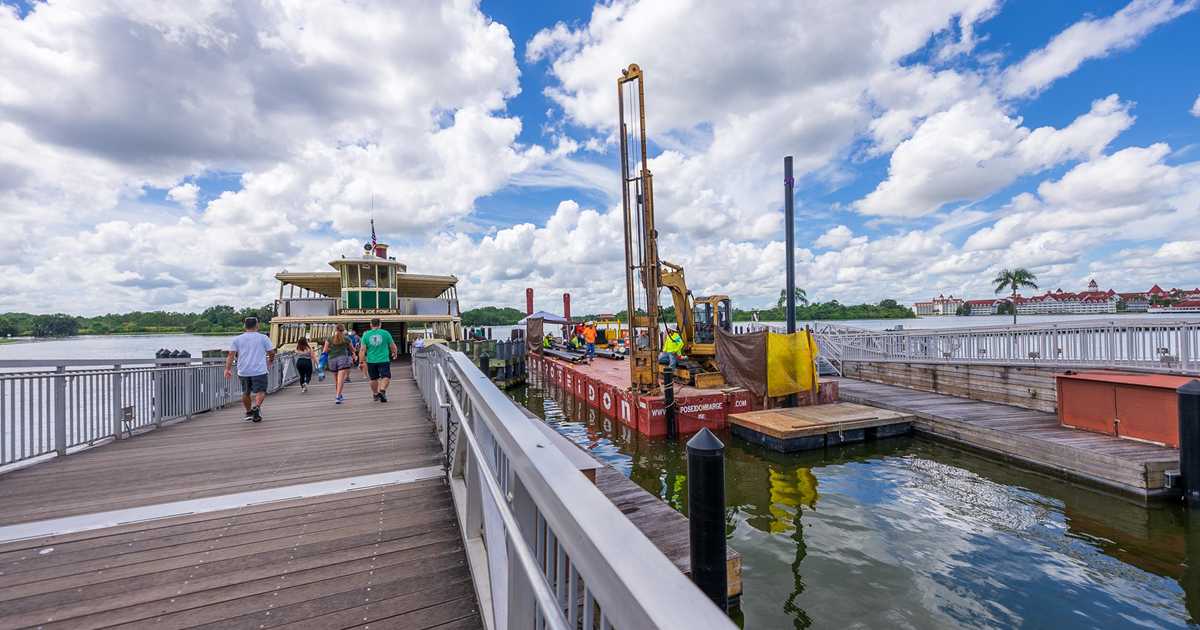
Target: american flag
{"x": 373, "y": 240}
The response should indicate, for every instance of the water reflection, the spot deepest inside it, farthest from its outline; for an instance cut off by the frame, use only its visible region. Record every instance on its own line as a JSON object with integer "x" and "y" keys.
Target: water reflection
{"x": 909, "y": 533}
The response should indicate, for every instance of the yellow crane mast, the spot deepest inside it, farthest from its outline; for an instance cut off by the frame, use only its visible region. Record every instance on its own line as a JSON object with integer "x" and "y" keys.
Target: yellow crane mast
{"x": 696, "y": 318}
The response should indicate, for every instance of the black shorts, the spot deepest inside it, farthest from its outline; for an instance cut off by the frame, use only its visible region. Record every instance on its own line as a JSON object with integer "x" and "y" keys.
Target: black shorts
{"x": 377, "y": 371}
{"x": 254, "y": 384}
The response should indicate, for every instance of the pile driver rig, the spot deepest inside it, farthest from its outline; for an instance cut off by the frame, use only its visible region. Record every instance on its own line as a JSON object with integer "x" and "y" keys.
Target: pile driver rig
{"x": 696, "y": 318}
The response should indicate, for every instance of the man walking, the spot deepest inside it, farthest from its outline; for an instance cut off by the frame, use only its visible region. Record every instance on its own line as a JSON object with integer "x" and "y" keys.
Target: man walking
{"x": 375, "y": 356}
{"x": 254, "y": 356}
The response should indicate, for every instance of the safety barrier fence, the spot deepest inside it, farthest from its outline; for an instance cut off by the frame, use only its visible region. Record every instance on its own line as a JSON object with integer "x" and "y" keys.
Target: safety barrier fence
{"x": 56, "y": 407}
{"x": 1153, "y": 345}
{"x": 547, "y": 548}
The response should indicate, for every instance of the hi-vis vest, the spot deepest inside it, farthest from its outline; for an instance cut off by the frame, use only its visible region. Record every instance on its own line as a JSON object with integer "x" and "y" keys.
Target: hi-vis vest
{"x": 673, "y": 344}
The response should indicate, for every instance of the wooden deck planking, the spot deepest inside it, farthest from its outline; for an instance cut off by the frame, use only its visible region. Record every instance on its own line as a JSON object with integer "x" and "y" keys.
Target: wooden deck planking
{"x": 389, "y": 556}
{"x": 1030, "y": 436}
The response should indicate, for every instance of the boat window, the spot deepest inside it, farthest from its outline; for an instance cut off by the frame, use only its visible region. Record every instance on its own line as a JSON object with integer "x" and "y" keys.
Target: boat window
{"x": 351, "y": 276}
{"x": 345, "y": 276}
{"x": 385, "y": 277}
{"x": 352, "y": 299}
{"x": 368, "y": 299}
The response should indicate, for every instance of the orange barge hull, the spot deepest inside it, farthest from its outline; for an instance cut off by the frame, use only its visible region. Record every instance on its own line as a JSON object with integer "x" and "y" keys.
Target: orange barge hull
{"x": 604, "y": 386}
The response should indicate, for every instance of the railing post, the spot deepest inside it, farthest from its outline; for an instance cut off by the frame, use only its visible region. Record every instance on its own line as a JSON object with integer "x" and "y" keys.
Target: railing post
{"x": 706, "y": 515}
{"x": 156, "y": 386}
{"x": 189, "y": 399}
{"x": 522, "y": 605}
{"x": 60, "y": 410}
{"x": 117, "y": 378}
{"x": 1189, "y": 441}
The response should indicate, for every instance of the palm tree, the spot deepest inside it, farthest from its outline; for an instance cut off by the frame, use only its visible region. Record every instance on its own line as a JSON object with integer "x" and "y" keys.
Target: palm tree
{"x": 1014, "y": 279}
{"x": 801, "y": 297}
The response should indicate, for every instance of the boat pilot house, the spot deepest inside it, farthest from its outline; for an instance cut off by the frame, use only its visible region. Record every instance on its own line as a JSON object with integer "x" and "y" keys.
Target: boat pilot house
{"x": 374, "y": 285}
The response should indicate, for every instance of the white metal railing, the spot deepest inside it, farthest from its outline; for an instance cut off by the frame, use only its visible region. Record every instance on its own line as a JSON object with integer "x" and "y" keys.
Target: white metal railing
{"x": 53, "y": 407}
{"x": 1155, "y": 345}
{"x": 547, "y": 548}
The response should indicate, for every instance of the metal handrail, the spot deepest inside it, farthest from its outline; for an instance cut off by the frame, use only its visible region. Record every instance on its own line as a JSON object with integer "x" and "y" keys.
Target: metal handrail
{"x": 47, "y": 409}
{"x": 601, "y": 571}
{"x": 545, "y": 598}
{"x": 1151, "y": 345}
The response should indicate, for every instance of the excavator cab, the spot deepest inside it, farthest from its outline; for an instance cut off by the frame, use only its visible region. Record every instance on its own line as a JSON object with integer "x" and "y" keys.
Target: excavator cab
{"x": 709, "y": 314}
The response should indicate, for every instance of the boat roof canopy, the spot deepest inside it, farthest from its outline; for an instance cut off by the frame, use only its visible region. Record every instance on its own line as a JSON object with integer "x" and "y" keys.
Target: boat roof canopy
{"x": 329, "y": 283}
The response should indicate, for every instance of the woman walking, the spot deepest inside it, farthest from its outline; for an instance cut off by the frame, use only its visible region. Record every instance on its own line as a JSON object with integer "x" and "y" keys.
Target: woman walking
{"x": 338, "y": 347}
{"x": 306, "y": 358}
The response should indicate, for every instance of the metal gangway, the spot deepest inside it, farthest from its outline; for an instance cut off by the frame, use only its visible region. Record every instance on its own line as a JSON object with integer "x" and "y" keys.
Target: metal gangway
{"x": 1142, "y": 344}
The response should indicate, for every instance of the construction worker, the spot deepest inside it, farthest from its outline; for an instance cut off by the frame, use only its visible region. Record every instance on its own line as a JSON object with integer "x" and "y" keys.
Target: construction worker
{"x": 547, "y": 341}
{"x": 672, "y": 347}
{"x": 589, "y": 338}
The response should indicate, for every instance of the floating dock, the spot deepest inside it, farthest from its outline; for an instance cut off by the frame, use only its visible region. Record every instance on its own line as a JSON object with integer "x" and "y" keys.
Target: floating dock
{"x": 1034, "y": 438}
{"x": 817, "y": 426}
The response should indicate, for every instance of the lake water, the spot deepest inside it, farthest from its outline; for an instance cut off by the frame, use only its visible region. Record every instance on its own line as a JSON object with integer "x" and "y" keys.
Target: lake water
{"x": 111, "y": 346}
{"x": 907, "y": 533}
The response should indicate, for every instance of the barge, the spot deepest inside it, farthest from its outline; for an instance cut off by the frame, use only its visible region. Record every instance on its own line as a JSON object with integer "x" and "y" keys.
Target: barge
{"x": 605, "y": 386}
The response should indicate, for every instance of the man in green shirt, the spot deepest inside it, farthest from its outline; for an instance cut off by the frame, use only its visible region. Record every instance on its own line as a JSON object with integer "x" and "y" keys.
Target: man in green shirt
{"x": 375, "y": 355}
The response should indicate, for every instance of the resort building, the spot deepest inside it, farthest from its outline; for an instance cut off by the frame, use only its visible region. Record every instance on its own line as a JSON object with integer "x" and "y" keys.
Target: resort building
{"x": 940, "y": 305}
{"x": 983, "y": 307}
{"x": 1092, "y": 300}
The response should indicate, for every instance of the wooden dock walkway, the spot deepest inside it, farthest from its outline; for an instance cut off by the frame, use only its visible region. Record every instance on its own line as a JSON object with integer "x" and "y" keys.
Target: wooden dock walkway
{"x": 329, "y": 556}
{"x": 1034, "y": 438}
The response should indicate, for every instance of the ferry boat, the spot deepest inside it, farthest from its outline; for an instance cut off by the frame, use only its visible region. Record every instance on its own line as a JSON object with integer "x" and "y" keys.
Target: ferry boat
{"x": 410, "y": 305}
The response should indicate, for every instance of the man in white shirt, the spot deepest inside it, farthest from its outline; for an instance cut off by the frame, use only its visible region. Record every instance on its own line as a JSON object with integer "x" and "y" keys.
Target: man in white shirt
{"x": 254, "y": 355}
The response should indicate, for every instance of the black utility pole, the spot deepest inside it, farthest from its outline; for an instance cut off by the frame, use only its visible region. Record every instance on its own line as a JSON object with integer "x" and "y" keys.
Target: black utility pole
{"x": 789, "y": 220}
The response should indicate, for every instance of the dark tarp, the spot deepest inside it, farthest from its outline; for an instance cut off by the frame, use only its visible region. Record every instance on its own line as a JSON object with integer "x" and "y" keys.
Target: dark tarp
{"x": 533, "y": 335}
{"x": 743, "y": 360}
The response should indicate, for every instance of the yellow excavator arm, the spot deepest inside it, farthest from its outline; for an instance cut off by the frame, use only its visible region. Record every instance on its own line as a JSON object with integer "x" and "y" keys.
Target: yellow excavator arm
{"x": 670, "y": 277}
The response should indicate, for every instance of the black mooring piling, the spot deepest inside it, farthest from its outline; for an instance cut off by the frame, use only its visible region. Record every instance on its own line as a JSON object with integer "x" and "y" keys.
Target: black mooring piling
{"x": 706, "y": 515}
{"x": 668, "y": 375}
{"x": 789, "y": 220}
{"x": 1189, "y": 441}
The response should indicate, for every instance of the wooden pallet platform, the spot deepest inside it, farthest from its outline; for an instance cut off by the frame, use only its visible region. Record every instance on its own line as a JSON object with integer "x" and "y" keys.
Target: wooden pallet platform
{"x": 390, "y": 556}
{"x": 805, "y": 428}
{"x": 1033, "y": 438}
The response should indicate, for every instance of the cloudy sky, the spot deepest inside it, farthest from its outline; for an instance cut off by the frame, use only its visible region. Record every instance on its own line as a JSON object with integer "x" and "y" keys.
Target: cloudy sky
{"x": 174, "y": 155}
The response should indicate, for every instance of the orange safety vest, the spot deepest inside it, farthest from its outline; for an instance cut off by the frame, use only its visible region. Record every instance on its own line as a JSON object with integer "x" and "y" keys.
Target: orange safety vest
{"x": 589, "y": 334}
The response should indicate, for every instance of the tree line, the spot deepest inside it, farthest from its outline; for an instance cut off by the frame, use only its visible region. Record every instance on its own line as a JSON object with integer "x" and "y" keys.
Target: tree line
{"x": 214, "y": 319}
{"x": 805, "y": 311}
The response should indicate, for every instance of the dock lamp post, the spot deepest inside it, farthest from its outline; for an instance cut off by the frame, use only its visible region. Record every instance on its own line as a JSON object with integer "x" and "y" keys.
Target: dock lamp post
{"x": 706, "y": 515}
{"x": 1189, "y": 441}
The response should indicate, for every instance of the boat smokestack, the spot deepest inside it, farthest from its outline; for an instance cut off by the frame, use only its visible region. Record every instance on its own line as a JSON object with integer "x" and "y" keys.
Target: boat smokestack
{"x": 529, "y": 301}
{"x": 567, "y": 306}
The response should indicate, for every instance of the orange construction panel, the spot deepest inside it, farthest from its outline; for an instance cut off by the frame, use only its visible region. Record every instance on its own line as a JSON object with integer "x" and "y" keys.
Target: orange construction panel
{"x": 1148, "y": 413}
{"x": 1087, "y": 405}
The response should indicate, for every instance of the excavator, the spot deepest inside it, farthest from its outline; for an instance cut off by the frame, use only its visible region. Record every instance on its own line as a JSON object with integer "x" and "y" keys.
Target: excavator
{"x": 696, "y": 318}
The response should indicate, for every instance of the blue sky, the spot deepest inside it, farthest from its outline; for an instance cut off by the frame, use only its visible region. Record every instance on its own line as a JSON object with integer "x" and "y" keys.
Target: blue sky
{"x": 190, "y": 150}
